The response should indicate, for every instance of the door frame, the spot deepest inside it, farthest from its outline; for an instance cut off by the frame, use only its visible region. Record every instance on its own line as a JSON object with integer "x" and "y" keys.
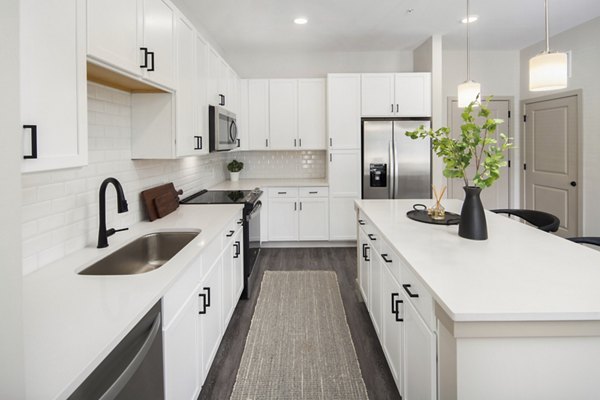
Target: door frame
{"x": 578, "y": 94}
{"x": 510, "y": 133}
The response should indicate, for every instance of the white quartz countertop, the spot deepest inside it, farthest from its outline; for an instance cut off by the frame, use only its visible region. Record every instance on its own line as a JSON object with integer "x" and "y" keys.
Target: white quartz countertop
{"x": 519, "y": 274}
{"x": 249, "y": 184}
{"x": 72, "y": 321}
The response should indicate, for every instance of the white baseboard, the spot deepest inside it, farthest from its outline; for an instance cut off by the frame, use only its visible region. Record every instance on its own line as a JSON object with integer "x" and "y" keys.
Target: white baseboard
{"x": 340, "y": 243}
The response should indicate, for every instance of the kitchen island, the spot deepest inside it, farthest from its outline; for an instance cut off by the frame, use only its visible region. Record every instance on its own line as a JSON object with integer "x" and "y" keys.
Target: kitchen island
{"x": 516, "y": 316}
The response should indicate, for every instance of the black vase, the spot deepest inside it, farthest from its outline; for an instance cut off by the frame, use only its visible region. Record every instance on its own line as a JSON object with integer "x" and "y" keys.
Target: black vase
{"x": 472, "y": 217}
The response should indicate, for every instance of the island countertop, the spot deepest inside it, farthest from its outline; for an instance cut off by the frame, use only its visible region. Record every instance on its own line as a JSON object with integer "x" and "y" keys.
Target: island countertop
{"x": 519, "y": 274}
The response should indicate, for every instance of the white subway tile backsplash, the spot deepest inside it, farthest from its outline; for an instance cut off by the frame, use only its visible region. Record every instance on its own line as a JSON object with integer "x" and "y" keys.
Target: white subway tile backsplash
{"x": 60, "y": 208}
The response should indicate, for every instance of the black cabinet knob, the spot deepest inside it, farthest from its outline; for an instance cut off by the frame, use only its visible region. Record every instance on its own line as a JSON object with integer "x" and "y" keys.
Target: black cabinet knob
{"x": 573, "y": 183}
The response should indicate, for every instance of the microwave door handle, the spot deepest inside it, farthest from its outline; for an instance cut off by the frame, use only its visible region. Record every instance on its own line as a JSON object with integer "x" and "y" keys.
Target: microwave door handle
{"x": 233, "y": 131}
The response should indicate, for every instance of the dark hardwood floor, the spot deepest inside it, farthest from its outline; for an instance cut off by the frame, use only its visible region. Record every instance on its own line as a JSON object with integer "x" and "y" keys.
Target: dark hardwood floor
{"x": 376, "y": 374}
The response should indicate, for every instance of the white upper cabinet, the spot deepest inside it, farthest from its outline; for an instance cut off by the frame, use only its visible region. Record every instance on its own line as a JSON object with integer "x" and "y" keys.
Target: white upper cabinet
{"x": 53, "y": 84}
{"x": 258, "y": 114}
{"x": 396, "y": 95}
{"x": 312, "y": 110}
{"x": 159, "y": 34}
{"x": 413, "y": 94}
{"x": 377, "y": 97}
{"x": 201, "y": 103}
{"x": 134, "y": 36}
{"x": 186, "y": 89}
{"x": 343, "y": 107}
{"x": 283, "y": 113}
{"x": 242, "y": 115}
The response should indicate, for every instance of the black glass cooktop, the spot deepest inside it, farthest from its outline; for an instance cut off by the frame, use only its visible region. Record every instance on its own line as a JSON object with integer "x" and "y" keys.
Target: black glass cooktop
{"x": 223, "y": 197}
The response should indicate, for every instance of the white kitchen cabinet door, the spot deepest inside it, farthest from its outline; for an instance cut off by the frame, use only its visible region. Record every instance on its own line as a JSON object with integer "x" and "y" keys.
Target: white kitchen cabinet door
{"x": 185, "y": 102}
{"x": 312, "y": 112}
{"x": 230, "y": 92}
{"x": 419, "y": 357}
{"x": 209, "y": 301}
{"x": 114, "y": 31}
{"x": 375, "y": 301}
{"x": 228, "y": 282}
{"x": 283, "y": 219}
{"x": 159, "y": 38}
{"x": 258, "y": 114}
{"x": 413, "y": 94}
{"x": 364, "y": 253}
{"x": 181, "y": 349}
{"x": 201, "y": 104}
{"x": 242, "y": 116}
{"x": 343, "y": 107}
{"x": 53, "y": 84}
{"x": 342, "y": 218}
{"x": 393, "y": 330}
{"x": 214, "y": 77}
{"x": 313, "y": 219}
{"x": 344, "y": 173}
{"x": 238, "y": 266}
{"x": 377, "y": 95}
{"x": 283, "y": 114}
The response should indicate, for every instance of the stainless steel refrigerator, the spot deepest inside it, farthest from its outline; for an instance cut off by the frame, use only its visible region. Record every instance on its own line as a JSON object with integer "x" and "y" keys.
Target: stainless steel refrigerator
{"x": 395, "y": 166}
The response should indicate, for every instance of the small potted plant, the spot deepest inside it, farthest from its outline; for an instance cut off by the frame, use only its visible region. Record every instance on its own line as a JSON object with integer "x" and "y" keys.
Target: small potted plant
{"x": 234, "y": 169}
{"x": 475, "y": 143}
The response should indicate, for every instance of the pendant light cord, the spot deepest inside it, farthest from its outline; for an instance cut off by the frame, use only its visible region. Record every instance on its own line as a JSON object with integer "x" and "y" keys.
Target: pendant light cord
{"x": 547, "y": 32}
{"x": 469, "y": 44}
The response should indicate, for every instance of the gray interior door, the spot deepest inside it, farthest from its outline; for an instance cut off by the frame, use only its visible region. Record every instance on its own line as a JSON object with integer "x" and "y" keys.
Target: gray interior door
{"x": 498, "y": 195}
{"x": 551, "y": 159}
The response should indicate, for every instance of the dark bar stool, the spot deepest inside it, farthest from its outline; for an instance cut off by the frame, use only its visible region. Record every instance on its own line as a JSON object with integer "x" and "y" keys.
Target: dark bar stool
{"x": 540, "y": 219}
{"x": 586, "y": 240}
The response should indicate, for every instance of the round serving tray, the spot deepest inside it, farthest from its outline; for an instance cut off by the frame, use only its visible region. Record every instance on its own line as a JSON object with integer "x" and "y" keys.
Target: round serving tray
{"x": 422, "y": 216}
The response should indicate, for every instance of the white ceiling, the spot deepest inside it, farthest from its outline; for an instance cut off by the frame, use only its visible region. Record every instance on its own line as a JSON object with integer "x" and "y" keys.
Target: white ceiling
{"x": 381, "y": 25}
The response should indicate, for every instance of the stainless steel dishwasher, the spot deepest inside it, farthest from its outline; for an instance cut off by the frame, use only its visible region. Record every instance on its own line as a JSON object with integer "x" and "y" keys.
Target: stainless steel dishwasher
{"x": 134, "y": 369}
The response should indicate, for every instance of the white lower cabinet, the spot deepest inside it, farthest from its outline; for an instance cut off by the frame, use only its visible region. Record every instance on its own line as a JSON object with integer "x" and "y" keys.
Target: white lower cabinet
{"x": 298, "y": 214}
{"x": 408, "y": 341}
{"x": 194, "y": 320}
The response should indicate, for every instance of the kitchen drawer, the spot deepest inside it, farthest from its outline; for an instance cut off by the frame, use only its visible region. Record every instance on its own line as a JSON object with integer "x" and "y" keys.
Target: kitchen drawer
{"x": 231, "y": 228}
{"x": 283, "y": 192}
{"x": 418, "y": 295}
{"x": 175, "y": 297}
{"x": 391, "y": 260}
{"x": 321, "y": 191}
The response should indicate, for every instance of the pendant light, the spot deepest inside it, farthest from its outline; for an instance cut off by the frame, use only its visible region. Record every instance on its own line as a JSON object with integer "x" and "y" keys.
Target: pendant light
{"x": 548, "y": 70}
{"x": 468, "y": 91}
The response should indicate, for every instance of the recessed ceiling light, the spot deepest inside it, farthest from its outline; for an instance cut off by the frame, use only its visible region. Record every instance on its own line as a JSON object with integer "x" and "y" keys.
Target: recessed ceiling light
{"x": 300, "y": 21}
{"x": 469, "y": 19}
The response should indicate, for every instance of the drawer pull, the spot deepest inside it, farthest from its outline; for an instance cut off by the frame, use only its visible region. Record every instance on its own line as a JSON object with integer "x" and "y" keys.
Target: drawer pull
{"x": 367, "y": 248}
{"x": 281, "y": 192}
{"x": 361, "y": 222}
{"x": 313, "y": 192}
{"x": 410, "y": 294}
{"x": 236, "y": 245}
{"x": 364, "y": 248}
{"x": 387, "y": 260}
{"x": 240, "y": 222}
{"x": 398, "y": 319}
{"x": 205, "y": 300}
{"x": 230, "y": 234}
{"x": 371, "y": 236}
{"x": 394, "y": 305}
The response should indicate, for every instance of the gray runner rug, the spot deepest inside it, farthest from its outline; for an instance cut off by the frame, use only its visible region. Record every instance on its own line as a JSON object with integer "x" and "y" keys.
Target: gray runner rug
{"x": 299, "y": 345}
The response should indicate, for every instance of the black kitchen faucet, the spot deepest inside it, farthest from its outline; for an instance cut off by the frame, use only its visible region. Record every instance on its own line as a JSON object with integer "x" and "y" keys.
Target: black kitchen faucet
{"x": 103, "y": 233}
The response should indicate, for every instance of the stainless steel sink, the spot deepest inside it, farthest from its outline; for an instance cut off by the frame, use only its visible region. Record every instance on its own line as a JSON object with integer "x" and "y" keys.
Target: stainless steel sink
{"x": 144, "y": 254}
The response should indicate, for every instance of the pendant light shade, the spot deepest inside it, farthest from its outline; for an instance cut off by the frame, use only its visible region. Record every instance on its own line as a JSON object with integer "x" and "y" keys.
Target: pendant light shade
{"x": 548, "y": 70}
{"x": 468, "y": 92}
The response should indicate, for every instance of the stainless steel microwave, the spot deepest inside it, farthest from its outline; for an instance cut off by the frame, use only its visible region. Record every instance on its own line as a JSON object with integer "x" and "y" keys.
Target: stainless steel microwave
{"x": 222, "y": 129}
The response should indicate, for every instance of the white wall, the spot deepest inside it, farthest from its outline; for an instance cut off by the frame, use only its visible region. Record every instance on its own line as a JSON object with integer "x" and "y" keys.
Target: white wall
{"x": 498, "y": 74}
{"x": 60, "y": 208}
{"x": 11, "y": 331}
{"x": 584, "y": 43}
{"x": 318, "y": 64}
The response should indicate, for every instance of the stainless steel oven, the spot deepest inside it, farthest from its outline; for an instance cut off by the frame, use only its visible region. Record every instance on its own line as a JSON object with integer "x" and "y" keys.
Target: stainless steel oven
{"x": 222, "y": 127}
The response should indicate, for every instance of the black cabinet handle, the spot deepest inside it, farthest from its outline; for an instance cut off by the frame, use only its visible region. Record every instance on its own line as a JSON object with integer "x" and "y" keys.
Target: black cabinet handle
{"x": 364, "y": 251}
{"x": 300, "y": 142}
{"x": 238, "y": 143}
{"x": 410, "y": 294}
{"x": 151, "y": 54}
{"x": 145, "y": 50}
{"x": 330, "y": 142}
{"x": 387, "y": 260}
{"x": 300, "y": 206}
{"x": 240, "y": 222}
{"x": 313, "y": 192}
{"x": 203, "y": 296}
{"x": 361, "y": 222}
{"x": 207, "y": 295}
{"x": 397, "y": 108}
{"x": 392, "y": 108}
{"x": 198, "y": 142}
{"x": 371, "y": 236}
{"x": 221, "y": 99}
{"x": 33, "y": 129}
{"x": 230, "y": 234}
{"x": 367, "y": 258}
{"x": 398, "y": 319}
{"x": 266, "y": 142}
{"x": 281, "y": 192}
{"x": 394, "y": 305}
{"x": 295, "y": 206}
{"x": 236, "y": 245}
{"x": 294, "y": 142}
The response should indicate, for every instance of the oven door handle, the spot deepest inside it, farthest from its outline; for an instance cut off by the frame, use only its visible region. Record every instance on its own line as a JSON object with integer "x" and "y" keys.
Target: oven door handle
{"x": 255, "y": 210}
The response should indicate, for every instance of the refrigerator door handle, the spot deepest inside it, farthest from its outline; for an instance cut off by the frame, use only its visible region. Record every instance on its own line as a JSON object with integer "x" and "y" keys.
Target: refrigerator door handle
{"x": 395, "y": 166}
{"x": 390, "y": 174}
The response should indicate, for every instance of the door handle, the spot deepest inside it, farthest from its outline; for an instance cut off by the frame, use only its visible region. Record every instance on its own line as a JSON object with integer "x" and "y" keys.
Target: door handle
{"x": 33, "y": 129}
{"x": 410, "y": 294}
{"x": 573, "y": 183}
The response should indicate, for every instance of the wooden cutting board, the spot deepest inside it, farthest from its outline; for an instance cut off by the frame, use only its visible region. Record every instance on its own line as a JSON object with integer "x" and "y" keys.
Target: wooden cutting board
{"x": 160, "y": 200}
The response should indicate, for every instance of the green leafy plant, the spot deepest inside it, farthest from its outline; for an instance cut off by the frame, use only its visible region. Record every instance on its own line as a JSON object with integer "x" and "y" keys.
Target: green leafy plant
{"x": 235, "y": 166}
{"x": 476, "y": 143}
